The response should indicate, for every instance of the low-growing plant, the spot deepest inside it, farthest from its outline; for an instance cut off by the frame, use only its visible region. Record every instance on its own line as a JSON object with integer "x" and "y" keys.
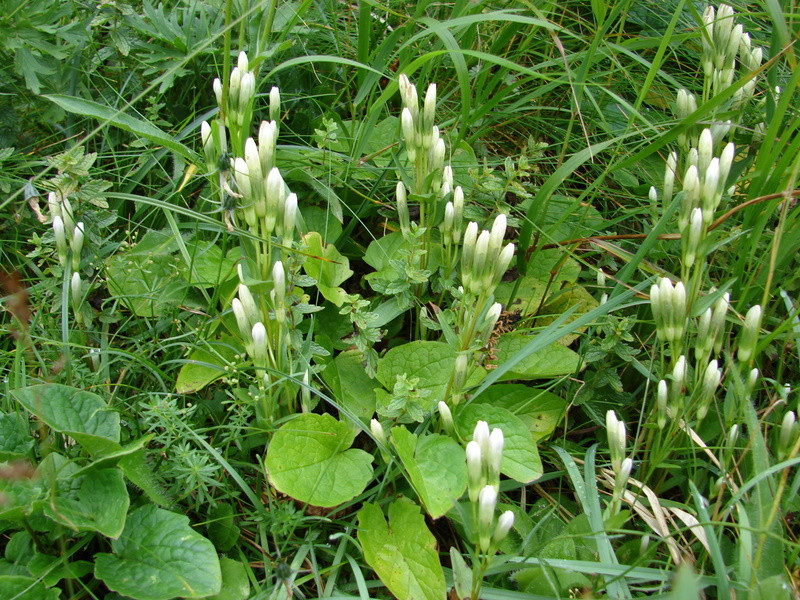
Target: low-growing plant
{"x": 335, "y": 345}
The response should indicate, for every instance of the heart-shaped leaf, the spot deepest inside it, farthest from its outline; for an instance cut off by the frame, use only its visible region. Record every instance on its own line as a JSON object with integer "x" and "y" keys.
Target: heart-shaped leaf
{"x": 402, "y": 552}
{"x": 310, "y": 459}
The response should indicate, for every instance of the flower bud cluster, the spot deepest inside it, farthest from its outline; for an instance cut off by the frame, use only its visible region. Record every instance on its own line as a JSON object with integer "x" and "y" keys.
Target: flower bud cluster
{"x": 669, "y": 311}
{"x": 484, "y": 459}
{"x": 484, "y": 258}
{"x": 710, "y": 329}
{"x": 419, "y": 131}
{"x": 453, "y": 218}
{"x": 723, "y": 41}
{"x": 620, "y": 464}
{"x": 69, "y": 234}
{"x": 267, "y": 204}
{"x": 241, "y": 91}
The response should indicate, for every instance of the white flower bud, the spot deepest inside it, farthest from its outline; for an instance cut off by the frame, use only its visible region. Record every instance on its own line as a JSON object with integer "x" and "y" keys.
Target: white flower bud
{"x": 696, "y": 231}
{"x": 479, "y": 261}
{"x": 503, "y": 262}
{"x": 278, "y": 284}
{"x": 242, "y": 321}
{"x": 661, "y": 404}
{"x": 691, "y": 195}
{"x": 447, "y": 223}
{"x": 481, "y": 435}
{"x": 77, "y": 245}
{"x": 241, "y": 173}
{"x": 725, "y": 162}
{"x": 276, "y": 196}
{"x": 289, "y": 217}
{"x": 76, "y": 287}
{"x": 437, "y": 155}
{"x": 474, "y": 470}
{"x": 748, "y": 339}
{"x": 705, "y": 150}
{"x": 711, "y": 193}
{"x": 377, "y": 431}
{"x": 447, "y": 181}
{"x": 788, "y": 434}
{"x": 407, "y": 125}
{"x": 267, "y": 140}
{"x": 669, "y": 177}
{"x": 497, "y": 234}
{"x": 249, "y": 305}
{"x": 468, "y": 252}
{"x": 504, "y": 524}
{"x": 402, "y": 209}
{"x": 61, "y": 239}
{"x": 275, "y": 106}
{"x": 487, "y": 502}
{"x": 494, "y": 458}
{"x": 259, "y": 337}
{"x": 429, "y": 110}
{"x": 246, "y": 91}
{"x": 446, "y": 417}
{"x": 217, "y": 86}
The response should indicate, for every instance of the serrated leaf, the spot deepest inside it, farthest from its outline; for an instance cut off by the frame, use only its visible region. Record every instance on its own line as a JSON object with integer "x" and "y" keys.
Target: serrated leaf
{"x": 15, "y": 437}
{"x": 540, "y": 410}
{"x": 111, "y": 116}
{"x": 310, "y": 459}
{"x": 436, "y": 465}
{"x": 98, "y": 502}
{"x": 521, "y": 460}
{"x": 552, "y": 361}
{"x": 158, "y": 557}
{"x": 81, "y": 415}
{"x": 402, "y": 552}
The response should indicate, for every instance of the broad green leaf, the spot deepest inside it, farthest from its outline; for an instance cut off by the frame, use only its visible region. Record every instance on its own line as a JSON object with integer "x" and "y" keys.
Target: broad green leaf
{"x": 17, "y": 587}
{"x": 552, "y": 361}
{"x": 209, "y": 267}
{"x": 108, "y": 115}
{"x": 328, "y": 266}
{"x": 53, "y": 569}
{"x": 402, "y": 552}
{"x": 19, "y": 498}
{"x": 431, "y": 362}
{"x": 310, "y": 459}
{"x": 436, "y": 465}
{"x": 206, "y": 364}
{"x": 352, "y": 388}
{"x": 158, "y": 557}
{"x": 82, "y": 415}
{"x": 384, "y": 249}
{"x": 15, "y": 437}
{"x": 318, "y": 219}
{"x": 559, "y": 303}
{"x": 222, "y": 531}
{"x": 521, "y": 460}
{"x": 541, "y": 411}
{"x": 149, "y": 277}
{"x": 235, "y": 583}
{"x": 98, "y": 501}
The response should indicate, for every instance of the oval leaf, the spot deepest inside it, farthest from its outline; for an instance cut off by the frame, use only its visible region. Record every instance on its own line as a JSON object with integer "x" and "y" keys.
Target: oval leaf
{"x": 81, "y": 415}
{"x": 310, "y": 459}
{"x": 521, "y": 460}
{"x": 436, "y": 465}
{"x": 403, "y": 553}
{"x": 159, "y": 556}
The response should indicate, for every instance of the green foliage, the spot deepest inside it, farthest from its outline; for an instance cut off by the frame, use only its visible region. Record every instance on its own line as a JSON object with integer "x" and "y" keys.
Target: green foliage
{"x": 200, "y": 356}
